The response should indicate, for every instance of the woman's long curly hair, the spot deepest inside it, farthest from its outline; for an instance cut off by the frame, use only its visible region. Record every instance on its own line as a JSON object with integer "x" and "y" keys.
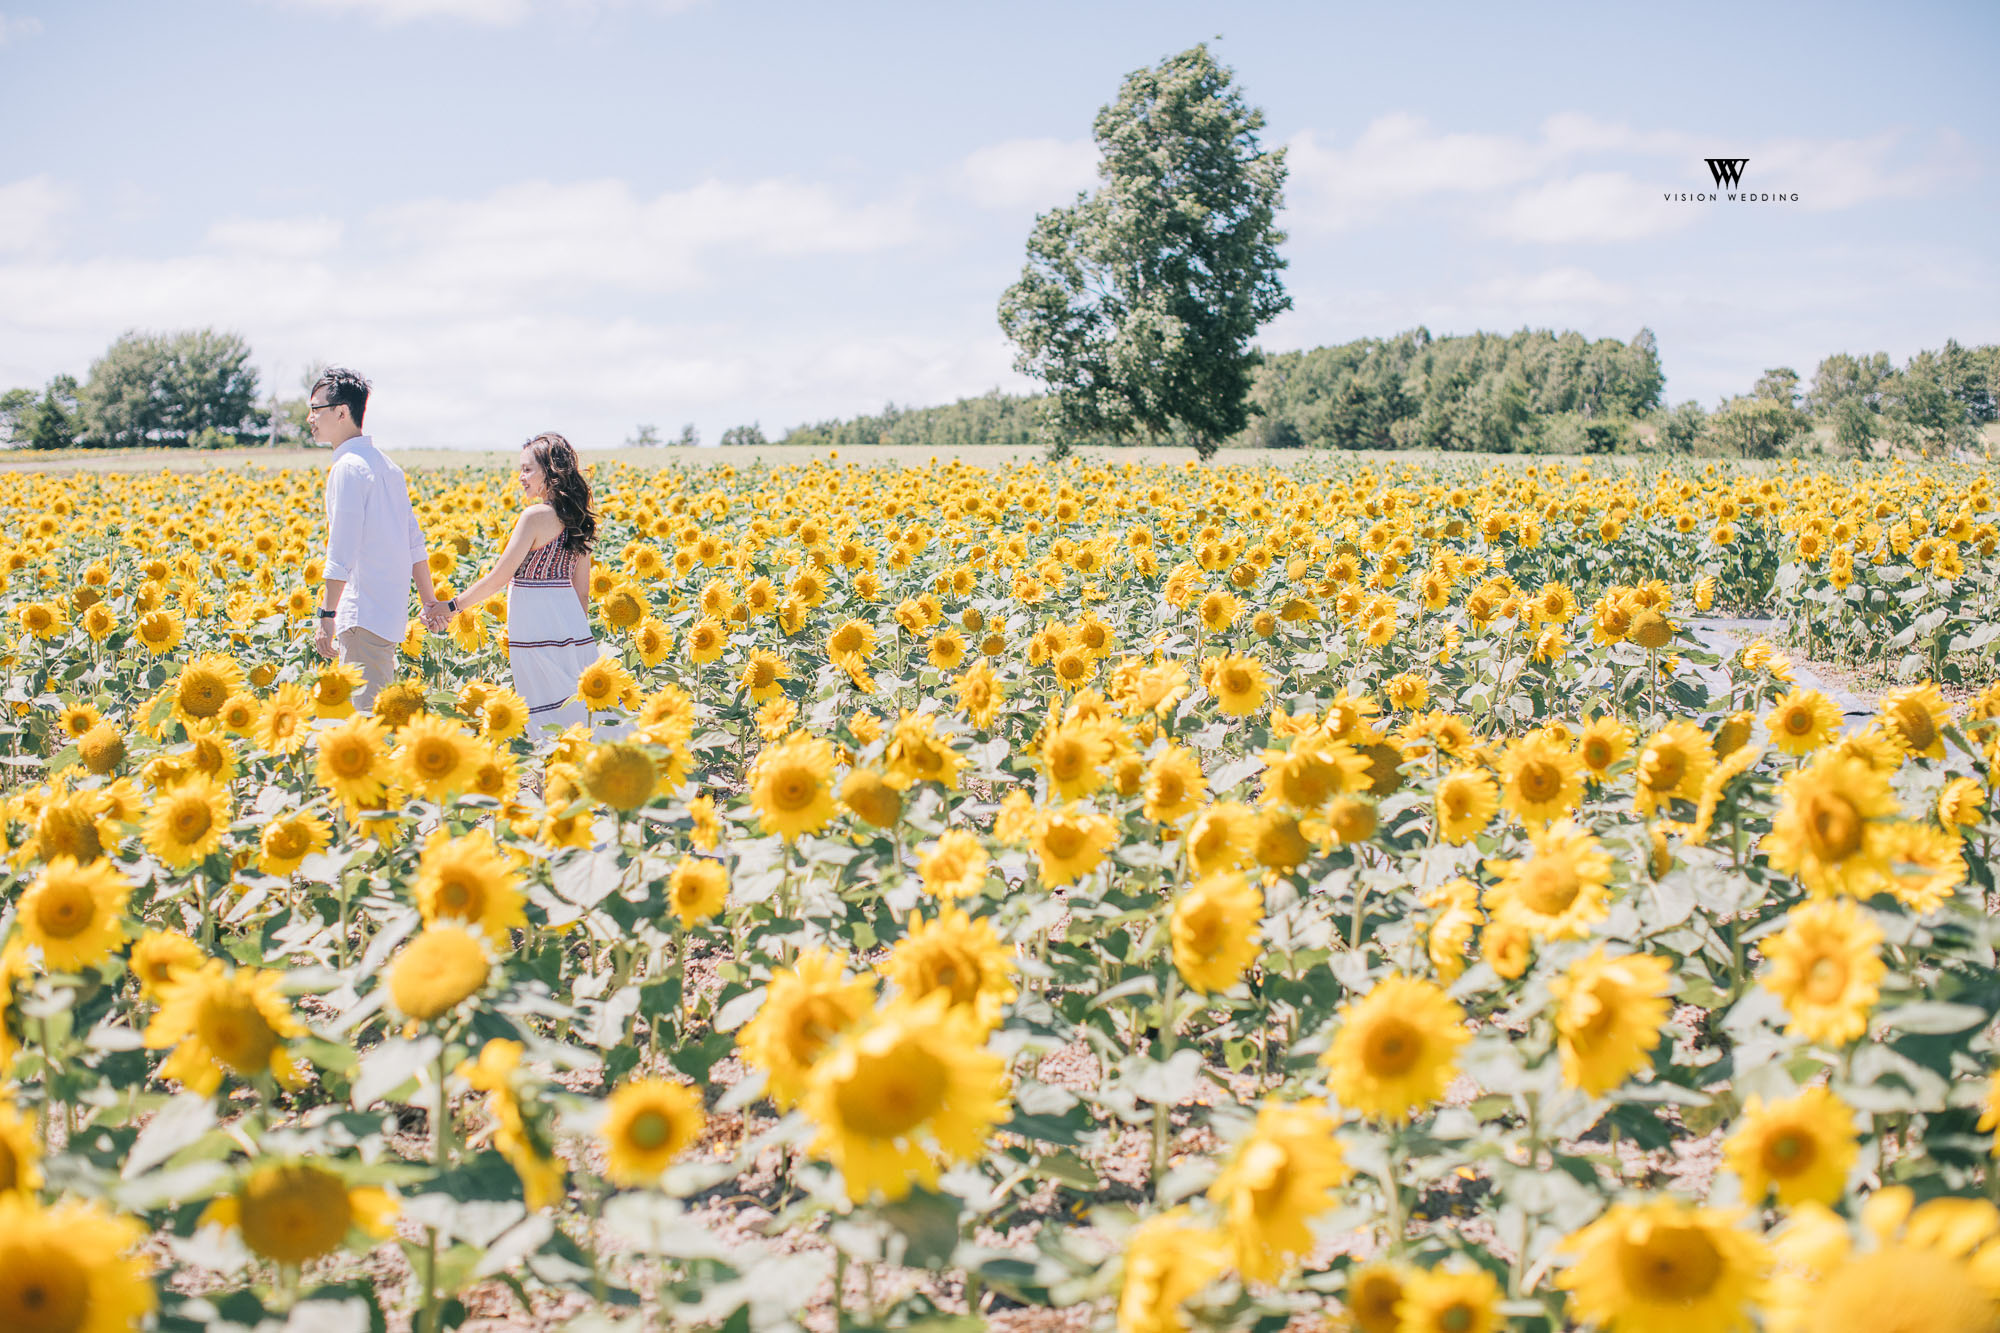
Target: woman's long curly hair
{"x": 569, "y": 489}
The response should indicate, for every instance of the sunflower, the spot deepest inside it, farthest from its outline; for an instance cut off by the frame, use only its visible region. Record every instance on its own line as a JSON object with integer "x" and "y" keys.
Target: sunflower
{"x": 791, "y": 786}
{"x": 705, "y": 641}
{"x": 187, "y": 822}
{"x": 621, "y": 775}
{"x": 1069, "y": 842}
{"x": 1831, "y": 829}
{"x": 294, "y": 1212}
{"x": 20, "y": 1154}
{"x": 979, "y": 694}
{"x": 896, "y": 1093}
{"x": 762, "y": 673}
{"x": 1925, "y": 866}
{"x": 1961, "y": 804}
{"x": 158, "y": 959}
{"x": 1312, "y": 772}
{"x": 204, "y": 684}
{"x": 959, "y": 957}
{"x": 354, "y": 762}
{"x": 1562, "y": 890}
{"x": 1802, "y": 1147}
{"x": 72, "y": 1268}
{"x": 159, "y": 631}
{"x": 1073, "y": 758}
{"x": 806, "y": 1008}
{"x": 1916, "y": 715}
{"x": 102, "y": 749}
{"x": 1169, "y": 1259}
{"x": 1803, "y": 721}
{"x": 652, "y": 640}
{"x": 333, "y": 690}
{"x": 78, "y": 718}
{"x": 1674, "y": 763}
{"x": 697, "y": 889}
{"x": 444, "y": 965}
{"x": 397, "y": 703}
{"x": 647, "y": 1123}
{"x": 1396, "y": 1048}
{"x": 72, "y": 913}
{"x": 1238, "y": 684}
{"x": 1281, "y": 1176}
{"x": 1930, "y": 1270}
{"x": 502, "y": 715}
{"x": 1174, "y": 785}
{"x": 919, "y": 752}
{"x": 1451, "y": 1300}
{"x": 1665, "y": 1267}
{"x": 1466, "y": 801}
{"x": 865, "y": 792}
{"x": 1215, "y": 930}
{"x": 1375, "y": 1295}
{"x": 954, "y": 866}
{"x": 467, "y": 879}
{"x": 623, "y": 607}
{"x": 1826, "y": 966}
{"x": 1222, "y": 838}
{"x": 1609, "y": 1012}
{"x": 221, "y": 1020}
{"x": 288, "y": 841}
{"x": 436, "y": 757}
{"x": 76, "y": 825}
{"x": 605, "y": 684}
{"x": 1540, "y": 781}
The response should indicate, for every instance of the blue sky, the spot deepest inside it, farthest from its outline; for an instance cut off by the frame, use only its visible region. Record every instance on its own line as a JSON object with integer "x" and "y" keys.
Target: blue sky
{"x": 586, "y": 214}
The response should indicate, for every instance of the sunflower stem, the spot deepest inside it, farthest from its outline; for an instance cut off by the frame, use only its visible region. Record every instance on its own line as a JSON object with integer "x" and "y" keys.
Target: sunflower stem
{"x": 428, "y": 1321}
{"x": 1392, "y": 1193}
{"x": 1162, "y": 1111}
{"x": 443, "y": 1127}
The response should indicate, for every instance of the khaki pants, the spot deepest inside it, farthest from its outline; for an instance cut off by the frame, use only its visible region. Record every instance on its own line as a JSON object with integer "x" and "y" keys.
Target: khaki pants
{"x": 376, "y": 657}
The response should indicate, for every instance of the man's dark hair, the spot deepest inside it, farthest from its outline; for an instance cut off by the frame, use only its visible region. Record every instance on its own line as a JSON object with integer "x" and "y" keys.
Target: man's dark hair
{"x": 344, "y": 388}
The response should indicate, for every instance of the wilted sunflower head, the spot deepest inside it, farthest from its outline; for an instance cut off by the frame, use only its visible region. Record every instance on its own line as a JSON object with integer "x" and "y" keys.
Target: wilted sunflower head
{"x": 621, "y": 775}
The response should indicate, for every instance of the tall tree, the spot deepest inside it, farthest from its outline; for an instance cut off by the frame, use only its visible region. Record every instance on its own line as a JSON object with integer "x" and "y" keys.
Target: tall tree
{"x": 1139, "y": 301}
{"x": 168, "y": 388}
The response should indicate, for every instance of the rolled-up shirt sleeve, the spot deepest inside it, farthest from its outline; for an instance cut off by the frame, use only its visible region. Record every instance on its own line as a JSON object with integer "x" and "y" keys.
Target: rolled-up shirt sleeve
{"x": 346, "y": 506}
{"x": 418, "y": 549}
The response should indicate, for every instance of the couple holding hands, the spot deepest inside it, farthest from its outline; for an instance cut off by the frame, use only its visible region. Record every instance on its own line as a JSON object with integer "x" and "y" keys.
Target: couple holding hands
{"x": 375, "y": 550}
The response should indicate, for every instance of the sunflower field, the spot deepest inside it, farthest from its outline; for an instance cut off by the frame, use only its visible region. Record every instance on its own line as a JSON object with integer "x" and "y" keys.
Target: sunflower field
{"x": 1080, "y": 896}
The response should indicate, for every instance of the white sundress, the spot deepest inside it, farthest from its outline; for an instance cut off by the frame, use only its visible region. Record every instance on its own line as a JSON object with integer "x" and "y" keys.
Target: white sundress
{"x": 548, "y": 638}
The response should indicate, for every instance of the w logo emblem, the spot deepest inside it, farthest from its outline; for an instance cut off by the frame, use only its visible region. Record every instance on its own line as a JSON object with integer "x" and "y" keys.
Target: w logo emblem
{"x": 1727, "y": 170}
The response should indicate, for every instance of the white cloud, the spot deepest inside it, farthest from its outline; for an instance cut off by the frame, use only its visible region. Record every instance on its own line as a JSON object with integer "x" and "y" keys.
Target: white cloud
{"x": 1595, "y": 206}
{"x": 13, "y": 29}
{"x": 538, "y": 233}
{"x": 277, "y": 238}
{"x": 29, "y": 211}
{"x": 1023, "y": 173}
{"x": 1396, "y": 159}
{"x": 1566, "y": 288}
{"x": 533, "y": 306}
{"x": 494, "y": 13}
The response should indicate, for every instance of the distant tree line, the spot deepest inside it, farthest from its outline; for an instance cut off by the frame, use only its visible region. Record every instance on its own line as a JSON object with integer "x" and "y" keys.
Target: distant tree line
{"x": 191, "y": 388}
{"x": 1528, "y": 392}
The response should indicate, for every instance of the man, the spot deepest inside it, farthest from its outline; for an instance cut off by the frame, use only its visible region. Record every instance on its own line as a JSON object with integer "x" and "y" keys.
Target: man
{"x": 374, "y": 548}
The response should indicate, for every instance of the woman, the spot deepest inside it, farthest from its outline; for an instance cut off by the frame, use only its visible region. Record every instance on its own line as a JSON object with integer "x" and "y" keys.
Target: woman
{"x": 546, "y": 568}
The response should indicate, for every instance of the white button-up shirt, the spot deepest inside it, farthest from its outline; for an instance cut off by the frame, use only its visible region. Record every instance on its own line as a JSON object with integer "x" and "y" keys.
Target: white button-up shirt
{"x": 372, "y": 539}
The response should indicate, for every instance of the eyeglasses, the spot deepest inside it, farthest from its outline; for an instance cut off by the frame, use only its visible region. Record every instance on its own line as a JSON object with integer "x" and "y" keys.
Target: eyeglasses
{"x": 320, "y": 407}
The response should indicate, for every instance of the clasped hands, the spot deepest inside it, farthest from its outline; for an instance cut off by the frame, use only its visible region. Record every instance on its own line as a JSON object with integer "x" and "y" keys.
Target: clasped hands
{"x": 435, "y": 616}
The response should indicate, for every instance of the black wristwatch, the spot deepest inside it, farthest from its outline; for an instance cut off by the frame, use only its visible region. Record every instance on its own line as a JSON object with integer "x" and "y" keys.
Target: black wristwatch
{"x": 452, "y": 606}
{"x": 325, "y": 614}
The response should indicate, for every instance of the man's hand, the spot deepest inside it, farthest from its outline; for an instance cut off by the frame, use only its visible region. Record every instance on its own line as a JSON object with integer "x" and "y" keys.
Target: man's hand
{"x": 323, "y": 640}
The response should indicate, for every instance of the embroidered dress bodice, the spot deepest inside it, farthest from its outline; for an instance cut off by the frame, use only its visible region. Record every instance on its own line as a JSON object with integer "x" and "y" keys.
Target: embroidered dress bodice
{"x": 548, "y": 563}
